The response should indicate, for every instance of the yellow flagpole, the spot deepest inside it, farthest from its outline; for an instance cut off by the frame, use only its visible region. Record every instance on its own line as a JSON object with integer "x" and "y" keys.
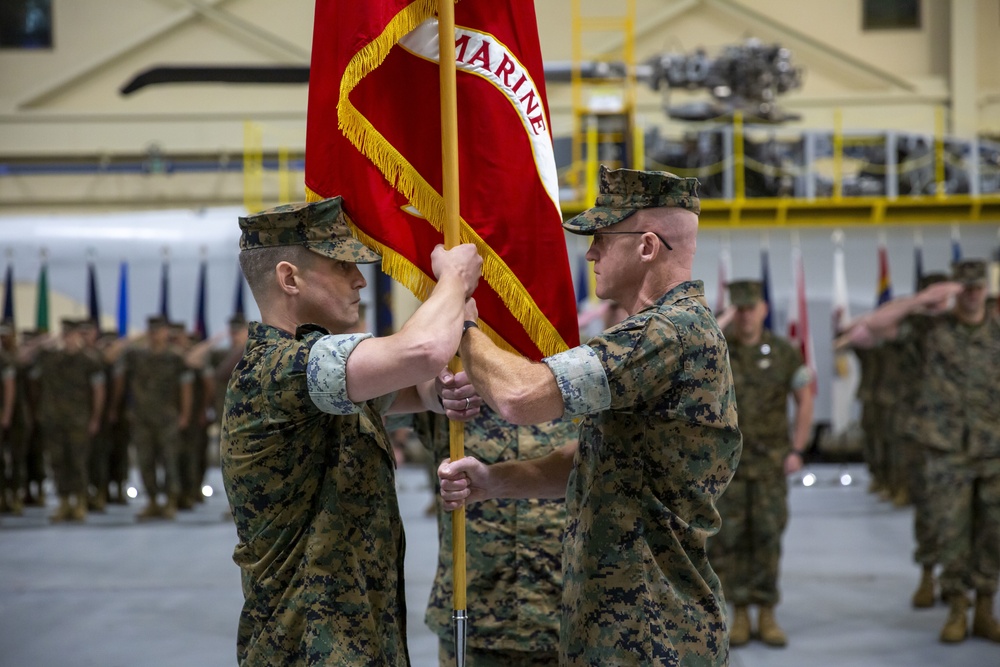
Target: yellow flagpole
{"x": 449, "y": 159}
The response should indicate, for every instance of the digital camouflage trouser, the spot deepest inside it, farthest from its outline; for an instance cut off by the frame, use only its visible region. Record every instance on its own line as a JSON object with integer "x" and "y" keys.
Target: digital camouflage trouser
{"x": 966, "y": 494}
{"x": 156, "y": 447}
{"x": 746, "y": 553}
{"x": 68, "y": 447}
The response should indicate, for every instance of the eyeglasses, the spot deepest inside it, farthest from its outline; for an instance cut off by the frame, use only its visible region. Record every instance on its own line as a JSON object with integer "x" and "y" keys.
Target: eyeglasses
{"x": 662, "y": 240}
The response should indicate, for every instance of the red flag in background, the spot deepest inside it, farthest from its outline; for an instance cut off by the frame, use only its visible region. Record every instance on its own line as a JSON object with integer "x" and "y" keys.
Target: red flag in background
{"x": 374, "y": 136}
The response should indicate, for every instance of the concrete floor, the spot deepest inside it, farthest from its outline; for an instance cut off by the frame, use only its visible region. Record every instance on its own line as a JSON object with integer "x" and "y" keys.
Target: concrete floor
{"x": 114, "y": 593}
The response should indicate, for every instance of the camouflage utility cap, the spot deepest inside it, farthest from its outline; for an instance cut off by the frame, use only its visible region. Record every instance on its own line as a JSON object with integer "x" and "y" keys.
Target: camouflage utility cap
{"x": 969, "y": 272}
{"x": 746, "y": 292}
{"x": 625, "y": 191}
{"x": 319, "y": 226}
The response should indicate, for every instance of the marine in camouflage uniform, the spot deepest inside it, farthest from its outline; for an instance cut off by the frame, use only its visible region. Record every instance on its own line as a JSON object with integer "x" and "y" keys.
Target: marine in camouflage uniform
{"x": 72, "y": 392}
{"x": 887, "y": 399}
{"x": 747, "y": 551}
{"x": 956, "y": 414}
{"x": 10, "y": 500}
{"x": 194, "y": 439}
{"x": 914, "y": 458}
{"x": 32, "y": 445}
{"x": 513, "y": 554}
{"x": 657, "y": 447}
{"x": 159, "y": 387}
{"x": 307, "y": 465}
{"x": 871, "y": 446}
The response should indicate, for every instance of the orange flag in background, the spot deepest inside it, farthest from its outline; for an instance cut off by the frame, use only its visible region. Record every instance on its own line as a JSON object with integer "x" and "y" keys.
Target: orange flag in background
{"x": 374, "y": 136}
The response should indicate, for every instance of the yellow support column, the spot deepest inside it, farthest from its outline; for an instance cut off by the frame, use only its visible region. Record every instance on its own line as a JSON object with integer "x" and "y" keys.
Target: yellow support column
{"x": 838, "y": 156}
{"x": 253, "y": 166}
{"x": 939, "y": 153}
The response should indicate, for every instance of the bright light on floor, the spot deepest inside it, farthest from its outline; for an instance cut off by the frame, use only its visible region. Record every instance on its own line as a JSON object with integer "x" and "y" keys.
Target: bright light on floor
{"x": 132, "y": 492}
{"x": 809, "y": 479}
{"x": 206, "y": 491}
{"x": 845, "y": 480}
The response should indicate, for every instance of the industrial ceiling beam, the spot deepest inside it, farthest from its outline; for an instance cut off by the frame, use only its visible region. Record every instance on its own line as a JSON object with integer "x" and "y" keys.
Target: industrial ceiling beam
{"x": 67, "y": 79}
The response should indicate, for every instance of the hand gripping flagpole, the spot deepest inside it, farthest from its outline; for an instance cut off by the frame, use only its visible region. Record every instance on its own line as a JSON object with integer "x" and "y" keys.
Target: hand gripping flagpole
{"x": 449, "y": 155}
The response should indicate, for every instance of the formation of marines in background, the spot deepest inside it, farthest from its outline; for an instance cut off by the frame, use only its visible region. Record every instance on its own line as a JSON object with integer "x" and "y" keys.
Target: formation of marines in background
{"x": 929, "y": 391}
{"x": 70, "y": 406}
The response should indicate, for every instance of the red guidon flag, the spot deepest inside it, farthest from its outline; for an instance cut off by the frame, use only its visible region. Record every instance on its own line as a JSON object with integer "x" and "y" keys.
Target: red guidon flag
{"x": 374, "y": 136}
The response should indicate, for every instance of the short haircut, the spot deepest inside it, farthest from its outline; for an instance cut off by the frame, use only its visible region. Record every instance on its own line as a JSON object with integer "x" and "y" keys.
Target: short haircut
{"x": 258, "y": 265}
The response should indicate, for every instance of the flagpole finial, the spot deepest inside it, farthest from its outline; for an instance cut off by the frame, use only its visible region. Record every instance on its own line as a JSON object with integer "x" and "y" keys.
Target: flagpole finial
{"x": 838, "y": 237}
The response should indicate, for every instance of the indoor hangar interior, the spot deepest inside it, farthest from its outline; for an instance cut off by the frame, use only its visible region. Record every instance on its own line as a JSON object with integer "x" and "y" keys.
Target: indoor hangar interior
{"x": 857, "y": 140}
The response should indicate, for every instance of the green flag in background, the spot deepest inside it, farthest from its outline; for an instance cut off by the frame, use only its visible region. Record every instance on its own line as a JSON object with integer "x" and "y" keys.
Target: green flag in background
{"x": 42, "y": 321}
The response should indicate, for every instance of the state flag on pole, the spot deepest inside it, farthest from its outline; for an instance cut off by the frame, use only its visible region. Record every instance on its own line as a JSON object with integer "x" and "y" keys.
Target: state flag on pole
{"x": 42, "y": 299}
{"x": 123, "y": 299}
{"x": 844, "y": 381}
{"x": 798, "y": 315}
{"x": 93, "y": 303}
{"x": 374, "y": 136}
{"x": 8, "y": 296}
{"x": 200, "y": 305}
{"x": 165, "y": 290}
{"x": 884, "y": 280}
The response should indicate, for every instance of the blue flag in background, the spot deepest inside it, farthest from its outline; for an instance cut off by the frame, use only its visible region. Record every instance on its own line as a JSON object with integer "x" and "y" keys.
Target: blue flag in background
{"x": 956, "y": 249}
{"x": 8, "y": 295}
{"x": 123, "y": 299}
{"x": 765, "y": 280}
{"x": 93, "y": 306}
{"x": 200, "y": 326}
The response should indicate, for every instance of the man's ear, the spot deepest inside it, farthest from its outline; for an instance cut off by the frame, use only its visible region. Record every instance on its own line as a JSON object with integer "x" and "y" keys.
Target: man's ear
{"x": 288, "y": 277}
{"x": 649, "y": 248}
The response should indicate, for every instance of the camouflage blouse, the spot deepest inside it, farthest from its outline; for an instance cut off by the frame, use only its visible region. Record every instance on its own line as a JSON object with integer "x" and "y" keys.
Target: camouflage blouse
{"x": 763, "y": 375}
{"x": 956, "y": 406}
{"x": 658, "y": 447}
{"x": 66, "y": 383}
{"x": 154, "y": 382}
{"x": 310, "y": 477}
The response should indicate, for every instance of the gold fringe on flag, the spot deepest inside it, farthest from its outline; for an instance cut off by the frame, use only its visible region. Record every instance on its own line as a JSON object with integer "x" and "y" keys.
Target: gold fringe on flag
{"x": 408, "y": 181}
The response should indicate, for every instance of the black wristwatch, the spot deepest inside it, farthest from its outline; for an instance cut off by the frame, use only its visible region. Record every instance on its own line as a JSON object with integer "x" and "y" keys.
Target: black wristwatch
{"x": 469, "y": 324}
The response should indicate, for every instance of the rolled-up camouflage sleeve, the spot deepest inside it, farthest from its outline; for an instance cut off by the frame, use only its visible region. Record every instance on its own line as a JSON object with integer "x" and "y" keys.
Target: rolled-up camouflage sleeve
{"x": 326, "y": 373}
{"x": 581, "y": 379}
